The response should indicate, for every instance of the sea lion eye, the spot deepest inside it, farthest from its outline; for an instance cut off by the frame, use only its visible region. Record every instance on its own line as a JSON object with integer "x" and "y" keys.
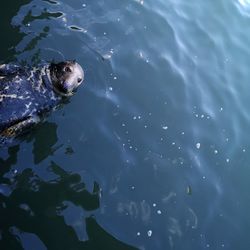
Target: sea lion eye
{"x": 67, "y": 69}
{"x": 79, "y": 80}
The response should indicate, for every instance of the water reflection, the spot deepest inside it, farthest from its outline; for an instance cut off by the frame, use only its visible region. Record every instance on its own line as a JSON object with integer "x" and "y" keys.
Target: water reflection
{"x": 25, "y": 25}
{"x": 5, "y": 164}
{"x": 28, "y": 204}
{"x": 43, "y": 146}
{"x": 34, "y": 211}
{"x": 12, "y": 36}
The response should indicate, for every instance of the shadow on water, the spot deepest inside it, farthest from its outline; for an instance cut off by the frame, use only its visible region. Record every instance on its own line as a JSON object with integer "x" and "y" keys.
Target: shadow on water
{"x": 43, "y": 146}
{"x": 11, "y": 36}
{"x": 18, "y": 38}
{"x": 28, "y": 204}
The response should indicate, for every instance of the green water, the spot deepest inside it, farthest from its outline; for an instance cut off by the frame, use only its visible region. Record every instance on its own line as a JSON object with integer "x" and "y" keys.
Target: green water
{"x": 152, "y": 152}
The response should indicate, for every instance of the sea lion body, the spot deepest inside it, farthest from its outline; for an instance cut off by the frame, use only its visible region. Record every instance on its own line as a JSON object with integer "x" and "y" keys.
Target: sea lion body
{"x": 26, "y": 94}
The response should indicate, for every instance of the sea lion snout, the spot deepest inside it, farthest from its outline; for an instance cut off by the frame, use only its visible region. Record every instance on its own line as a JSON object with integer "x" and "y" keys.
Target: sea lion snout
{"x": 66, "y": 76}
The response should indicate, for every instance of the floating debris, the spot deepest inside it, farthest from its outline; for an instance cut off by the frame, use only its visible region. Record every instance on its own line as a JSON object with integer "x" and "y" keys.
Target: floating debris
{"x": 150, "y": 233}
{"x": 189, "y": 190}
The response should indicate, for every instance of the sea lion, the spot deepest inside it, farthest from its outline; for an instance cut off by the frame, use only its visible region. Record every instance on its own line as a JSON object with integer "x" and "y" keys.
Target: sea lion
{"x": 26, "y": 93}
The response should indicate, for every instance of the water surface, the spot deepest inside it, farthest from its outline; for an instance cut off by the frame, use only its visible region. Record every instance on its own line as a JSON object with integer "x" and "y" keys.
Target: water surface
{"x": 153, "y": 151}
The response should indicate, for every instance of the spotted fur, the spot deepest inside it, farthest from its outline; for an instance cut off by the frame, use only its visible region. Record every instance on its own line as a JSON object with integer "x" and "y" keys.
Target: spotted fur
{"x": 28, "y": 93}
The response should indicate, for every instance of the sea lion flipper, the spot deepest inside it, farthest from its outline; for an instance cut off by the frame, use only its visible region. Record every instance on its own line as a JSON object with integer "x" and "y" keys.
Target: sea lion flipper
{"x": 20, "y": 127}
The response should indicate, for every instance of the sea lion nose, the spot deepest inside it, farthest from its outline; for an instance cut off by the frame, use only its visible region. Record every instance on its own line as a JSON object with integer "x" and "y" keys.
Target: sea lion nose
{"x": 67, "y": 86}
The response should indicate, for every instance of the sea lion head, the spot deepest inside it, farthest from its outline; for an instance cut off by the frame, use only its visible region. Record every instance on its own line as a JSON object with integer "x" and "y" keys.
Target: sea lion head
{"x": 66, "y": 77}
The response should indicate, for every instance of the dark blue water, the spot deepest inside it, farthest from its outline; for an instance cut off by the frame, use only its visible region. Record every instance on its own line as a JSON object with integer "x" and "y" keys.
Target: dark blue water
{"x": 153, "y": 150}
